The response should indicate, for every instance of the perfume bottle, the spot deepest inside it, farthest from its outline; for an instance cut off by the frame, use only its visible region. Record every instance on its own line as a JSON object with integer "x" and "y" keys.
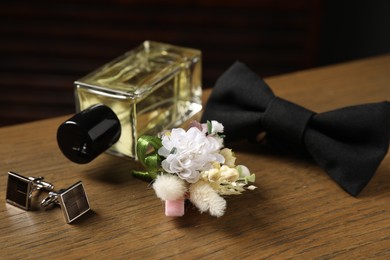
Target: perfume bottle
{"x": 153, "y": 87}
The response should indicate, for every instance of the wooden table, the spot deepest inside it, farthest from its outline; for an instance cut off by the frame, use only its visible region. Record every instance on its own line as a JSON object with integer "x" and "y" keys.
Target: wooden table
{"x": 297, "y": 211}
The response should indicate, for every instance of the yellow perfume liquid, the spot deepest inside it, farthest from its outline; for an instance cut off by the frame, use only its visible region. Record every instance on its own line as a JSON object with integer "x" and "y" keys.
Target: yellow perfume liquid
{"x": 151, "y": 88}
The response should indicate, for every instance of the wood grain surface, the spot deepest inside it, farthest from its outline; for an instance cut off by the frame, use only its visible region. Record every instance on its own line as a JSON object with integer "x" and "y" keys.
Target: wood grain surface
{"x": 297, "y": 211}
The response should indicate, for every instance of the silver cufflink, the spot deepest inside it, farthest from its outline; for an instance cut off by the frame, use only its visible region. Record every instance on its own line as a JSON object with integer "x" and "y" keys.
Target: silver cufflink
{"x": 73, "y": 201}
{"x": 20, "y": 189}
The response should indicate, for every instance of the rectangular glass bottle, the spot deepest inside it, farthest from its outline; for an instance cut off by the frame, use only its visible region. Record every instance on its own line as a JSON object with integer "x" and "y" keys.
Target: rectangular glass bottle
{"x": 153, "y": 87}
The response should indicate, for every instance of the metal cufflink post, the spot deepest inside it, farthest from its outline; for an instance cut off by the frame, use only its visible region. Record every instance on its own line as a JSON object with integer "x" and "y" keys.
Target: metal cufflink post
{"x": 20, "y": 189}
{"x": 73, "y": 201}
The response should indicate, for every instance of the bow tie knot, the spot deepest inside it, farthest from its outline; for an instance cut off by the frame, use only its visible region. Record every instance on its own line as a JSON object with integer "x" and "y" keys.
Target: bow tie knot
{"x": 286, "y": 120}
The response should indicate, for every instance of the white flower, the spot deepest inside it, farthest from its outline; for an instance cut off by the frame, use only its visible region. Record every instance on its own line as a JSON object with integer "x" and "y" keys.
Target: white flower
{"x": 213, "y": 127}
{"x": 217, "y": 139}
{"x": 228, "y": 154}
{"x": 216, "y": 127}
{"x": 227, "y": 180}
{"x": 211, "y": 175}
{"x": 228, "y": 174}
{"x": 188, "y": 153}
{"x": 223, "y": 174}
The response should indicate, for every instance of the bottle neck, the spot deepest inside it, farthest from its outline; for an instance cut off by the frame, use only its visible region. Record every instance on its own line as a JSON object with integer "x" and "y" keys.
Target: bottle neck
{"x": 88, "y": 133}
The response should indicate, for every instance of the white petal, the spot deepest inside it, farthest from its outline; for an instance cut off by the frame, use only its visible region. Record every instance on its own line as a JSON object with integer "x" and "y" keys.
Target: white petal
{"x": 251, "y": 187}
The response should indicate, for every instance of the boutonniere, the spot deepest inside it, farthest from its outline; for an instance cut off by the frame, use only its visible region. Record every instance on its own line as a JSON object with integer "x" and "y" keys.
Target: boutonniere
{"x": 192, "y": 165}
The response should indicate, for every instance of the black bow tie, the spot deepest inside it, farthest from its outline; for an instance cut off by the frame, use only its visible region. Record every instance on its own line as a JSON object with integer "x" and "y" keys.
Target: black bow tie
{"x": 349, "y": 143}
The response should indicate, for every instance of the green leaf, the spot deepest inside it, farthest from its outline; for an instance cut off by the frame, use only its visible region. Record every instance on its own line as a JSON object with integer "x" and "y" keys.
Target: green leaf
{"x": 150, "y": 160}
{"x": 143, "y": 145}
{"x": 209, "y": 127}
{"x": 251, "y": 178}
{"x": 145, "y": 176}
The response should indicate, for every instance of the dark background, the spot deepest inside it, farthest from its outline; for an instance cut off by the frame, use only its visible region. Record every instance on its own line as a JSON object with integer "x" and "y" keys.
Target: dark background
{"x": 46, "y": 45}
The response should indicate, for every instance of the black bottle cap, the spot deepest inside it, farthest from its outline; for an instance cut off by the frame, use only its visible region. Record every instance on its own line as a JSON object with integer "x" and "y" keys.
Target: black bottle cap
{"x": 89, "y": 133}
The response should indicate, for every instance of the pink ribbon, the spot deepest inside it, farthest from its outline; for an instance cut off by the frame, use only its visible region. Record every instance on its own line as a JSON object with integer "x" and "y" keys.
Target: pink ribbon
{"x": 174, "y": 208}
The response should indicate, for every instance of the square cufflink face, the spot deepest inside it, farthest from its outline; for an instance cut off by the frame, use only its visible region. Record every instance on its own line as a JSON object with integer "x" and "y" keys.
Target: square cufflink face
{"x": 19, "y": 190}
{"x": 74, "y": 202}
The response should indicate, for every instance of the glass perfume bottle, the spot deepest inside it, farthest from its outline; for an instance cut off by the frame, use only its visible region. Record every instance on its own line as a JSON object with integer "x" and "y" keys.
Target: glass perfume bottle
{"x": 148, "y": 89}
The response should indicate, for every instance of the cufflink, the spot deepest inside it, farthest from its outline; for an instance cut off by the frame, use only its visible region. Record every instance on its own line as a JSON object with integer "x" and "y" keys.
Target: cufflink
{"x": 20, "y": 189}
{"x": 73, "y": 201}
